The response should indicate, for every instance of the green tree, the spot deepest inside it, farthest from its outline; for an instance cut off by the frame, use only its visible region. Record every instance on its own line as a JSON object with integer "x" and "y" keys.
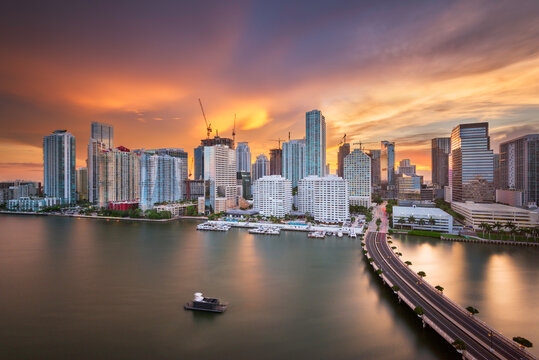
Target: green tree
{"x": 472, "y": 310}
{"x": 379, "y": 271}
{"x": 432, "y": 221}
{"x": 411, "y": 220}
{"x": 459, "y": 345}
{"x": 395, "y": 288}
{"x": 421, "y": 222}
{"x": 421, "y": 274}
{"x": 509, "y": 225}
{"x": 523, "y": 341}
{"x": 419, "y": 310}
{"x": 408, "y": 263}
{"x": 439, "y": 288}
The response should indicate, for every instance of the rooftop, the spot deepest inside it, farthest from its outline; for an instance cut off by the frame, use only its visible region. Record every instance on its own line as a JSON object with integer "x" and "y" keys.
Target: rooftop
{"x": 489, "y": 207}
{"x": 418, "y": 211}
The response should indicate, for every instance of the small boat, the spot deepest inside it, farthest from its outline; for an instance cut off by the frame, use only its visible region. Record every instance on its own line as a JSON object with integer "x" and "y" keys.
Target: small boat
{"x": 317, "y": 235}
{"x": 339, "y": 234}
{"x": 202, "y": 303}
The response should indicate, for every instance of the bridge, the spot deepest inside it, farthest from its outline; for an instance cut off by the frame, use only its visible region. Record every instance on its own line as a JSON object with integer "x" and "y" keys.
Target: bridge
{"x": 447, "y": 318}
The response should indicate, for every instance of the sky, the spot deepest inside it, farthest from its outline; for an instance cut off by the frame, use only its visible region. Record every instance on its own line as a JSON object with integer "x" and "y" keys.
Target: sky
{"x": 403, "y": 71}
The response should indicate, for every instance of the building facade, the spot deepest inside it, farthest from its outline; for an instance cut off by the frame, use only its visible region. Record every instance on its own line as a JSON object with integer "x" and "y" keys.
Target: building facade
{"x": 409, "y": 187}
{"x": 119, "y": 176}
{"x": 440, "y": 149}
{"x": 243, "y": 157}
{"x": 324, "y": 198}
{"x": 160, "y": 179}
{"x": 357, "y": 171}
{"x": 272, "y": 196}
{"x": 424, "y": 218}
{"x": 344, "y": 150}
{"x": 475, "y": 214}
{"x": 260, "y": 167}
{"x": 220, "y": 176}
{"x": 471, "y": 172}
{"x": 82, "y": 183}
{"x": 294, "y": 160}
{"x": 406, "y": 168}
{"x": 101, "y": 139}
{"x": 276, "y": 162}
{"x": 375, "y": 168}
{"x": 519, "y": 167}
{"x": 315, "y": 143}
{"x": 387, "y": 164}
{"x": 104, "y": 133}
{"x": 59, "y": 166}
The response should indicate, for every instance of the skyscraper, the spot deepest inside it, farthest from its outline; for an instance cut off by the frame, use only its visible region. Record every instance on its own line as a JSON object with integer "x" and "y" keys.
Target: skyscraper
{"x": 357, "y": 171}
{"x": 375, "y": 168}
{"x": 59, "y": 166}
{"x": 243, "y": 157}
{"x": 387, "y": 164}
{"x": 470, "y": 164}
{"x": 160, "y": 179}
{"x": 315, "y": 143}
{"x": 324, "y": 198}
{"x": 260, "y": 167}
{"x": 220, "y": 175}
{"x": 344, "y": 150}
{"x": 272, "y": 196}
{"x": 519, "y": 166}
{"x": 199, "y": 152}
{"x": 294, "y": 160}
{"x": 276, "y": 162}
{"x": 118, "y": 176}
{"x": 101, "y": 138}
{"x": 104, "y": 133}
{"x": 440, "y": 149}
{"x": 82, "y": 183}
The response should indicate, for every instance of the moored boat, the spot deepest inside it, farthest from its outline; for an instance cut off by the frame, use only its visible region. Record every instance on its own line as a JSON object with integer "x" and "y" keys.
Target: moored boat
{"x": 201, "y": 303}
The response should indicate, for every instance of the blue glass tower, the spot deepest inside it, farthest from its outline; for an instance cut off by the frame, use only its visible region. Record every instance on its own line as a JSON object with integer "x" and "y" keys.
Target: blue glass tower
{"x": 59, "y": 166}
{"x": 294, "y": 160}
{"x": 315, "y": 143}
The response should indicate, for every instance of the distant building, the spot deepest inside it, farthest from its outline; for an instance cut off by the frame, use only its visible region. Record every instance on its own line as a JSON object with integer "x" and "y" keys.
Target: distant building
{"x": 496, "y": 170}
{"x": 59, "y": 166}
{"x": 471, "y": 164}
{"x": 441, "y": 148}
{"x": 199, "y": 152}
{"x": 13, "y": 190}
{"x": 425, "y": 218}
{"x": 101, "y": 139}
{"x": 357, "y": 171}
{"x": 272, "y": 196}
{"x": 276, "y": 162}
{"x": 387, "y": 164}
{"x": 260, "y": 168}
{"x": 324, "y": 198}
{"x": 475, "y": 214}
{"x": 30, "y": 204}
{"x": 344, "y": 150}
{"x": 104, "y": 133}
{"x": 160, "y": 179}
{"x": 118, "y": 176}
{"x": 294, "y": 160}
{"x": 510, "y": 197}
{"x": 243, "y": 158}
{"x": 406, "y": 168}
{"x": 244, "y": 185}
{"x": 315, "y": 143}
{"x": 375, "y": 168}
{"x": 193, "y": 189}
{"x": 220, "y": 177}
{"x": 82, "y": 183}
{"x": 519, "y": 167}
{"x": 409, "y": 187}
{"x": 177, "y": 153}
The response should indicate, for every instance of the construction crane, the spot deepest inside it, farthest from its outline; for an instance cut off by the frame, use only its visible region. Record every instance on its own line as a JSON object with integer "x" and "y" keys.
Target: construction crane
{"x": 192, "y": 166}
{"x": 208, "y": 126}
{"x": 343, "y": 140}
{"x": 278, "y": 141}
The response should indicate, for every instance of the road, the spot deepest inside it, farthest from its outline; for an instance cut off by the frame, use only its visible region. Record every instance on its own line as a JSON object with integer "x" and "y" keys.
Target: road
{"x": 482, "y": 341}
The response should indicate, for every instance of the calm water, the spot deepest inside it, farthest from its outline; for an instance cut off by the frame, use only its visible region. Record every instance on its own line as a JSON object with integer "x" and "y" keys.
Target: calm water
{"x": 91, "y": 289}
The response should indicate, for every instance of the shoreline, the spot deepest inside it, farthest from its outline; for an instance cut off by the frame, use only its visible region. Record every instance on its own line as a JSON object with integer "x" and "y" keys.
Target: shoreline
{"x": 471, "y": 239}
{"x": 108, "y": 218}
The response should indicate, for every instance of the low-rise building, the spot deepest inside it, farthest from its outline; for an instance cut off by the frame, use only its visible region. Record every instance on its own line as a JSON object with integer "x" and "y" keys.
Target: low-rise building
{"x": 272, "y": 196}
{"x": 424, "y": 218}
{"x": 510, "y": 197}
{"x": 32, "y": 204}
{"x": 476, "y": 213}
{"x": 176, "y": 209}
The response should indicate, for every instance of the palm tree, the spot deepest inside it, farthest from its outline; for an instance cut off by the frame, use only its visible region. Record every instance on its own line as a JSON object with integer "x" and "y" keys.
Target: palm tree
{"x": 509, "y": 225}
{"x": 523, "y": 342}
{"x": 483, "y": 226}
{"x": 460, "y": 346}
{"x": 432, "y": 221}
{"x": 498, "y": 226}
{"x": 419, "y": 311}
{"x": 408, "y": 263}
{"x": 489, "y": 229}
{"x": 411, "y": 220}
{"x": 421, "y": 222}
{"x": 395, "y": 288}
{"x": 401, "y": 221}
{"x": 421, "y": 274}
{"x": 439, "y": 288}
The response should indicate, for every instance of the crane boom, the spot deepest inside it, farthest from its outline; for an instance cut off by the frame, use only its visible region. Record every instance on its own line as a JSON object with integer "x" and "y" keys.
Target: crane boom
{"x": 208, "y": 126}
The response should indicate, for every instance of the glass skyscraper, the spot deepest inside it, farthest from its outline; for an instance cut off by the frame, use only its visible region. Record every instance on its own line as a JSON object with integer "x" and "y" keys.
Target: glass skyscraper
{"x": 101, "y": 138}
{"x": 199, "y": 162}
{"x": 160, "y": 179}
{"x": 243, "y": 157}
{"x": 315, "y": 143}
{"x": 104, "y": 133}
{"x": 294, "y": 160}
{"x": 471, "y": 166}
{"x": 387, "y": 163}
{"x": 441, "y": 147}
{"x": 59, "y": 173}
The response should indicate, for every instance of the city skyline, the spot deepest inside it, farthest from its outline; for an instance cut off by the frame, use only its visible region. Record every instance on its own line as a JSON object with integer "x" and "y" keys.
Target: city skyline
{"x": 391, "y": 68}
